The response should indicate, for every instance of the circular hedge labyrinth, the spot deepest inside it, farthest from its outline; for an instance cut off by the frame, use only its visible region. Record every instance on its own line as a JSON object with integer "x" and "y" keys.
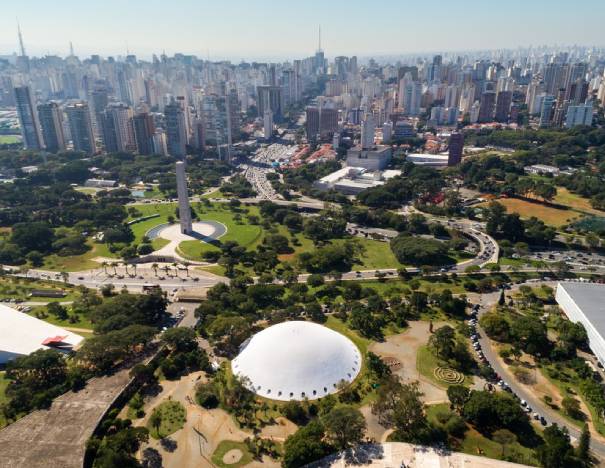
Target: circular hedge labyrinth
{"x": 448, "y": 375}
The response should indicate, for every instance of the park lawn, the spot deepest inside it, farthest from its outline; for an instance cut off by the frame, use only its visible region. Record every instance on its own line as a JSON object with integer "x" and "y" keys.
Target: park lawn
{"x": 575, "y": 202}
{"x": 552, "y": 216}
{"x": 82, "y": 320}
{"x": 426, "y": 363}
{"x": 78, "y": 262}
{"x": 158, "y": 243}
{"x": 9, "y": 139}
{"x": 173, "y": 418}
{"x": 376, "y": 254}
{"x": 396, "y": 285}
{"x": 214, "y": 194}
{"x": 87, "y": 190}
{"x": 225, "y": 446}
{"x": 20, "y": 288}
{"x": 154, "y": 193}
{"x": 475, "y": 443}
{"x": 214, "y": 269}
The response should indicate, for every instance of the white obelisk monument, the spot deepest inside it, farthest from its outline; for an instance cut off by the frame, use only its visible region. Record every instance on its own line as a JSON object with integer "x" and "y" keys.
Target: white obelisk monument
{"x": 181, "y": 189}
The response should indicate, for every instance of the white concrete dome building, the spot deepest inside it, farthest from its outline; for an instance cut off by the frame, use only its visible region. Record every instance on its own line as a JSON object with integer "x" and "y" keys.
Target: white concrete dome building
{"x": 297, "y": 360}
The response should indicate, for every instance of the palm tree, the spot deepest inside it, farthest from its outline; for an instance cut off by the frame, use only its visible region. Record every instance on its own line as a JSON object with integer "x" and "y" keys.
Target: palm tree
{"x": 104, "y": 265}
{"x": 134, "y": 266}
{"x": 186, "y": 265}
{"x": 65, "y": 276}
{"x": 166, "y": 269}
{"x": 115, "y": 272}
{"x": 154, "y": 267}
{"x": 176, "y": 268}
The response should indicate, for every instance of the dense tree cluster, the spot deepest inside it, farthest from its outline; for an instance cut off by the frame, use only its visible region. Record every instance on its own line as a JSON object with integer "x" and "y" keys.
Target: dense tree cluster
{"x": 416, "y": 183}
{"x": 512, "y": 228}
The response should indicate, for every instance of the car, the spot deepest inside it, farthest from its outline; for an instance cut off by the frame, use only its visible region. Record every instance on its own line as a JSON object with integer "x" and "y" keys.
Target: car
{"x": 523, "y": 403}
{"x": 536, "y": 416}
{"x": 80, "y": 278}
{"x": 543, "y": 421}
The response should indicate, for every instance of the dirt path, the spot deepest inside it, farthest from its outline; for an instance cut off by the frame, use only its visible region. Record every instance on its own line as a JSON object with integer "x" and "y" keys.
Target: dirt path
{"x": 404, "y": 348}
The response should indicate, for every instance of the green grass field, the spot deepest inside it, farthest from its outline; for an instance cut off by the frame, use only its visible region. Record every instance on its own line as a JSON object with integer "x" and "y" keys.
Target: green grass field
{"x": 82, "y": 321}
{"x": 426, "y": 363}
{"x": 225, "y": 446}
{"x": 173, "y": 418}
{"x": 78, "y": 262}
{"x": 9, "y": 139}
{"x": 18, "y": 288}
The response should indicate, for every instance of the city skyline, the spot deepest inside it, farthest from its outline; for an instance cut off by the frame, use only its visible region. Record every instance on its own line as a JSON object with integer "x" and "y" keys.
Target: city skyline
{"x": 270, "y": 31}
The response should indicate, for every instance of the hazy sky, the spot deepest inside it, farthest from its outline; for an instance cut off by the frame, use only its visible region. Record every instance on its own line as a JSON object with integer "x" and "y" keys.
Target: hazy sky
{"x": 239, "y": 29}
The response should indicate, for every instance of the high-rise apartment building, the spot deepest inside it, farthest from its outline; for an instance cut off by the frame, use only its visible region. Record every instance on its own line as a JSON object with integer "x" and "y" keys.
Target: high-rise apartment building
{"x": 456, "y": 145}
{"x": 503, "y": 103}
{"x": 80, "y": 127}
{"x": 546, "y": 110}
{"x": 51, "y": 122}
{"x": 176, "y": 130}
{"x": 144, "y": 129}
{"x": 28, "y": 118}
{"x": 581, "y": 114}
{"x": 118, "y": 131}
{"x": 269, "y": 97}
{"x": 486, "y": 106}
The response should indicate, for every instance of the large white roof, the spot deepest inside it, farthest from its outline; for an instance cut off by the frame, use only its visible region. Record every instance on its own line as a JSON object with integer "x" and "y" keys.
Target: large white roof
{"x": 22, "y": 334}
{"x": 297, "y": 360}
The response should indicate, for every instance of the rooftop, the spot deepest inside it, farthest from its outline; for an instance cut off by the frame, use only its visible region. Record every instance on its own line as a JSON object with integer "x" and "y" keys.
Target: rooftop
{"x": 22, "y": 334}
{"x": 297, "y": 360}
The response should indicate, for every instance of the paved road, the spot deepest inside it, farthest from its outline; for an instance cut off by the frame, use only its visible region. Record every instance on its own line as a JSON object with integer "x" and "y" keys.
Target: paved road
{"x": 487, "y": 301}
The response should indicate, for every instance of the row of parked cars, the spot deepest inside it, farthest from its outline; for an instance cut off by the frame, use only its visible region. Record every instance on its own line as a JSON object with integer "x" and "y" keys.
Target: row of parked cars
{"x": 472, "y": 322}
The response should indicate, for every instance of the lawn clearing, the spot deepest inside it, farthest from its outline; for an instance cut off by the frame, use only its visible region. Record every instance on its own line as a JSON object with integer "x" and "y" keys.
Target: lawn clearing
{"x": 78, "y": 262}
{"x": 426, "y": 363}
{"x": 552, "y": 216}
{"x": 226, "y": 446}
{"x": 173, "y": 417}
{"x": 9, "y": 139}
{"x": 575, "y": 202}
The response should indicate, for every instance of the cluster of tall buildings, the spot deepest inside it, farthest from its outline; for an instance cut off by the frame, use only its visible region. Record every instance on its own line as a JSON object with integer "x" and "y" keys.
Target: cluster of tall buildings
{"x": 539, "y": 87}
{"x": 169, "y": 105}
{"x": 172, "y": 105}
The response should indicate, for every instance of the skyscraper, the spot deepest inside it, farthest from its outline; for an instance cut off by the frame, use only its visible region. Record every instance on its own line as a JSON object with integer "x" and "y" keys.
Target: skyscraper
{"x": 183, "y": 196}
{"x": 367, "y": 132}
{"x": 118, "y": 131}
{"x": 28, "y": 119}
{"x": 51, "y": 121}
{"x": 486, "y": 106}
{"x": 579, "y": 115}
{"x": 503, "y": 103}
{"x": 456, "y": 145}
{"x": 144, "y": 129}
{"x": 546, "y": 110}
{"x": 80, "y": 126}
{"x": 176, "y": 130}
{"x": 269, "y": 97}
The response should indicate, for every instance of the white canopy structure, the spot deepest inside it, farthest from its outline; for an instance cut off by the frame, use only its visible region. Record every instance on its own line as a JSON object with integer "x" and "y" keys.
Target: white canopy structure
{"x": 21, "y": 334}
{"x": 297, "y": 360}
